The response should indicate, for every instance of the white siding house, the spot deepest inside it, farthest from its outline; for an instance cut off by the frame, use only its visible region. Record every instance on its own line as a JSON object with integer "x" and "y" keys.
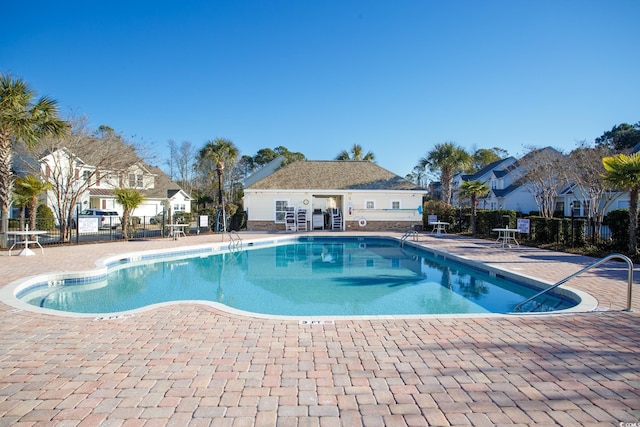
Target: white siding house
{"x": 486, "y": 175}
{"x": 159, "y": 191}
{"x": 504, "y": 190}
{"x": 364, "y": 195}
{"x": 507, "y": 193}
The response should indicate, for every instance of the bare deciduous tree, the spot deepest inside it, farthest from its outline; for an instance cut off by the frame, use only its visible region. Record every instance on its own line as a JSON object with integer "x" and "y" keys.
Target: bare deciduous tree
{"x": 586, "y": 170}
{"x": 182, "y": 164}
{"x": 541, "y": 171}
{"x": 76, "y": 161}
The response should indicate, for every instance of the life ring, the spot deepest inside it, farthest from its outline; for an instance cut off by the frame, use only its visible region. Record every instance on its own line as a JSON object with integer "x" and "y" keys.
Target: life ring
{"x": 362, "y": 222}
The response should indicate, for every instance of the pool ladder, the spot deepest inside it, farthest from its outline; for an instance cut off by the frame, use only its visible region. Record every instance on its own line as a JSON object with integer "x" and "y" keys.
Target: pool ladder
{"x": 411, "y": 233}
{"x": 235, "y": 244}
{"x": 589, "y": 267}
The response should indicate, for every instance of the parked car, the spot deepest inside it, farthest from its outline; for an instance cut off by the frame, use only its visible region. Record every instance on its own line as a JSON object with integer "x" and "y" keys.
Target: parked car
{"x": 159, "y": 218}
{"x": 106, "y": 219}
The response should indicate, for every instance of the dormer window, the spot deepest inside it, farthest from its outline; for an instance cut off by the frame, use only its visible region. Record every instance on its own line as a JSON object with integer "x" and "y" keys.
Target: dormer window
{"x": 135, "y": 180}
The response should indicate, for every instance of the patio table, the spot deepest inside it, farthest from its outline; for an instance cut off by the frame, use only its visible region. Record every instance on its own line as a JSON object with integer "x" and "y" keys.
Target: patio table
{"x": 23, "y": 239}
{"x": 507, "y": 236}
{"x": 177, "y": 230}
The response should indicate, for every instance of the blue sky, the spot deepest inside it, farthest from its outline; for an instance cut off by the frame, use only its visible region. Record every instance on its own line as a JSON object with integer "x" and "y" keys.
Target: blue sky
{"x": 396, "y": 77}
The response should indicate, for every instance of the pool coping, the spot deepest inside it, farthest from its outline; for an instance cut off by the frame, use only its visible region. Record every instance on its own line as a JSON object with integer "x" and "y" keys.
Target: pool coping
{"x": 9, "y": 293}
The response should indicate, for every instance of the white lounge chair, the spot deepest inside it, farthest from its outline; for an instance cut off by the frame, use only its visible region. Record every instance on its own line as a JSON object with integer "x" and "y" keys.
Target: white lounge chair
{"x": 336, "y": 219}
{"x": 301, "y": 218}
{"x": 290, "y": 219}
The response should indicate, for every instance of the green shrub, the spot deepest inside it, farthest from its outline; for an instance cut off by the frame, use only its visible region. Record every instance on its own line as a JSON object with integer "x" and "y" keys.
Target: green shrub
{"x": 555, "y": 226}
{"x": 238, "y": 221}
{"x": 230, "y": 209}
{"x": 541, "y": 231}
{"x": 487, "y": 220}
{"x": 45, "y": 219}
{"x": 182, "y": 217}
{"x": 444, "y": 211}
{"x": 579, "y": 232}
{"x": 618, "y": 223}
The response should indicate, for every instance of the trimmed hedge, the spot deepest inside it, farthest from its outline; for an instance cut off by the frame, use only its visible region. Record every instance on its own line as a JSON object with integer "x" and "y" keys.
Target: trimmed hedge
{"x": 487, "y": 220}
{"x": 563, "y": 231}
{"x": 442, "y": 210}
{"x": 618, "y": 223}
{"x": 558, "y": 230}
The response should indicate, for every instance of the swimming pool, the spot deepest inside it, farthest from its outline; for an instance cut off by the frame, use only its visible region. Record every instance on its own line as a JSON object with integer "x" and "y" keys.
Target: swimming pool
{"x": 308, "y": 276}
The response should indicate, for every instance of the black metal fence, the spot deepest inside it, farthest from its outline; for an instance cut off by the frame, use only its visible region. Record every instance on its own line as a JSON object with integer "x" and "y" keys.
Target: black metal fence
{"x": 111, "y": 230}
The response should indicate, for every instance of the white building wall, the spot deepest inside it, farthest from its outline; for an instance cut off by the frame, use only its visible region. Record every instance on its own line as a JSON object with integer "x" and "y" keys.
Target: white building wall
{"x": 381, "y": 206}
{"x": 520, "y": 200}
{"x": 354, "y": 205}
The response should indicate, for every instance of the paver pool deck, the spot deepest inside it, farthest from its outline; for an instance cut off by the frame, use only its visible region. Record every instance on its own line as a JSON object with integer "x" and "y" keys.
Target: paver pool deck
{"x": 191, "y": 364}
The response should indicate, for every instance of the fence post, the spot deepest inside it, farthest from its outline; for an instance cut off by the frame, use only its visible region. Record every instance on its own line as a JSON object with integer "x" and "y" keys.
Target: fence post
{"x": 4, "y": 227}
{"x": 77, "y": 227}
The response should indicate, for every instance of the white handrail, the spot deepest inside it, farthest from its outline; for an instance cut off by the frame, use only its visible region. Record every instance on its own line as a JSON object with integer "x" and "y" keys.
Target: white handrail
{"x": 408, "y": 234}
{"x": 589, "y": 267}
{"x": 234, "y": 243}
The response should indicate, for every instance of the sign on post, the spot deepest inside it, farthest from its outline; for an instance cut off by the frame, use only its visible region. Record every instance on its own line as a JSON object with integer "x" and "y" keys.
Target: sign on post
{"x": 87, "y": 225}
{"x": 523, "y": 225}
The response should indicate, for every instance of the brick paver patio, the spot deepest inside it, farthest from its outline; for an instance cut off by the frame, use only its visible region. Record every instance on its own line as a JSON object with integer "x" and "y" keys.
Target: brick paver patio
{"x": 190, "y": 364}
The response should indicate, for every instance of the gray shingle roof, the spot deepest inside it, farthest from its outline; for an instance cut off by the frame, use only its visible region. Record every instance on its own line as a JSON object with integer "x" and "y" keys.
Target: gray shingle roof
{"x": 333, "y": 175}
{"x": 163, "y": 185}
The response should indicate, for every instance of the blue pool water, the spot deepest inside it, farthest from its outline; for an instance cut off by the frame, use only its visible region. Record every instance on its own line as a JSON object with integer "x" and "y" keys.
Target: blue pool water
{"x": 314, "y": 277}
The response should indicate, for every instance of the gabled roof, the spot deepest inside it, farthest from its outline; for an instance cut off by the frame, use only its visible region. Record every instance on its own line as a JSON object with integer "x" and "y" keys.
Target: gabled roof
{"x": 333, "y": 175}
{"x": 265, "y": 171}
{"x": 164, "y": 187}
{"x": 486, "y": 169}
{"x": 532, "y": 155}
{"x": 66, "y": 152}
{"x": 503, "y": 192}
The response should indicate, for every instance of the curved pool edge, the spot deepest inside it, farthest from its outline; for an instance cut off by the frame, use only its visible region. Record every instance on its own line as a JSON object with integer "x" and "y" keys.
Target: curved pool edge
{"x": 586, "y": 302}
{"x": 8, "y": 294}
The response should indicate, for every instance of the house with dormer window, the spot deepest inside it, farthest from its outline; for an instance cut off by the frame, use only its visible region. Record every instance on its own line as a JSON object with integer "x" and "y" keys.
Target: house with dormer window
{"x": 507, "y": 192}
{"x": 97, "y": 186}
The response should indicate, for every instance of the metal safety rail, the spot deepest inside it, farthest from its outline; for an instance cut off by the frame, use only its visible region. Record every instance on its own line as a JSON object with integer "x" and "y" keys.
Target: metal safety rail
{"x": 589, "y": 267}
{"x": 234, "y": 243}
{"x": 410, "y": 233}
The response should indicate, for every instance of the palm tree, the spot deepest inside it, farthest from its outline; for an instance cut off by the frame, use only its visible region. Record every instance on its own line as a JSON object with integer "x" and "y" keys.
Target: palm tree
{"x": 473, "y": 190}
{"x": 129, "y": 199}
{"x": 31, "y": 187}
{"x": 356, "y": 153}
{"x": 218, "y": 153}
{"x": 215, "y": 155}
{"x": 219, "y": 150}
{"x": 448, "y": 158}
{"x": 21, "y": 119}
{"x": 623, "y": 172}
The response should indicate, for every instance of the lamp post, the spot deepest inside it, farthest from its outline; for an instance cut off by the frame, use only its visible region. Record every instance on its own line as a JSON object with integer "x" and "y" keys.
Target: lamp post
{"x": 220, "y": 170}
